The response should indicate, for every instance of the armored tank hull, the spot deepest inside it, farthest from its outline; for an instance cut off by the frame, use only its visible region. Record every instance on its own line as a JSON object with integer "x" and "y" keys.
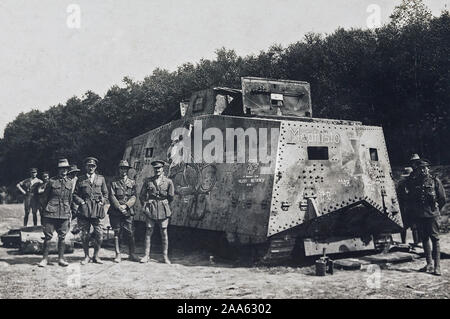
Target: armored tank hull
{"x": 272, "y": 180}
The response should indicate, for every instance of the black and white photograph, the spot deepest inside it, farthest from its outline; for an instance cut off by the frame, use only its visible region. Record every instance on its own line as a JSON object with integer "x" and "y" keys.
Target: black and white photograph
{"x": 235, "y": 152}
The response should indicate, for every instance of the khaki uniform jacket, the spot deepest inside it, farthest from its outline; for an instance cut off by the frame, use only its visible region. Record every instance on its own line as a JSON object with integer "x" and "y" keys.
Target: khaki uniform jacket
{"x": 57, "y": 198}
{"x": 94, "y": 194}
{"x": 156, "y": 198}
{"x": 39, "y": 194}
{"x": 426, "y": 196}
{"x": 402, "y": 194}
{"x": 122, "y": 193}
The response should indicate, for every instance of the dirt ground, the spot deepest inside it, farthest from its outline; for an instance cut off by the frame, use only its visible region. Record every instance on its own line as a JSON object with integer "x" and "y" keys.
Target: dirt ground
{"x": 193, "y": 275}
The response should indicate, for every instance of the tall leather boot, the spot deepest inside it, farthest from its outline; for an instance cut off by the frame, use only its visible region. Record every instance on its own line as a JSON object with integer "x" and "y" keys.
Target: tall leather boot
{"x": 35, "y": 219}
{"x": 415, "y": 235}
{"x": 117, "y": 259}
{"x": 403, "y": 236}
{"x": 44, "y": 261}
{"x": 427, "y": 250}
{"x": 85, "y": 241}
{"x": 97, "y": 246}
{"x": 132, "y": 248}
{"x": 437, "y": 258}
{"x": 165, "y": 246}
{"x": 25, "y": 220}
{"x": 61, "y": 248}
{"x": 146, "y": 257}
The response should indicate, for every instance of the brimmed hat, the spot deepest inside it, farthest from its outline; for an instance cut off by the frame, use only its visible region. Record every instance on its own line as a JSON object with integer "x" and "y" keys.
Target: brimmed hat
{"x": 90, "y": 161}
{"x": 74, "y": 168}
{"x": 406, "y": 171}
{"x": 414, "y": 157}
{"x": 33, "y": 170}
{"x": 158, "y": 163}
{"x": 422, "y": 163}
{"x": 124, "y": 163}
{"x": 63, "y": 163}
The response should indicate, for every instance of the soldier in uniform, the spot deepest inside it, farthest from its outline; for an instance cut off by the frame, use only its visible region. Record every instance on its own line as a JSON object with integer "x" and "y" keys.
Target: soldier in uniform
{"x": 73, "y": 175}
{"x": 90, "y": 195}
{"x": 31, "y": 202}
{"x": 122, "y": 196}
{"x": 408, "y": 219}
{"x": 156, "y": 195}
{"x": 427, "y": 197}
{"x": 40, "y": 191}
{"x": 56, "y": 216}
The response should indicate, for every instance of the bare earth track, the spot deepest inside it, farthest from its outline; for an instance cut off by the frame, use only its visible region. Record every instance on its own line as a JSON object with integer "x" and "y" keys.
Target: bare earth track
{"x": 192, "y": 275}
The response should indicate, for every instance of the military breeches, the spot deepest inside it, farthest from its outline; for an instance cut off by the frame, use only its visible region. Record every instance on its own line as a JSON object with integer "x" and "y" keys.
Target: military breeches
{"x": 429, "y": 228}
{"x": 85, "y": 226}
{"x": 163, "y": 223}
{"x": 51, "y": 224}
{"x": 121, "y": 223}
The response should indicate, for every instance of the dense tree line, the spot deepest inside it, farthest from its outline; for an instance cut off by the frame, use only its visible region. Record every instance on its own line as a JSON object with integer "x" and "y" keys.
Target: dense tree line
{"x": 396, "y": 76}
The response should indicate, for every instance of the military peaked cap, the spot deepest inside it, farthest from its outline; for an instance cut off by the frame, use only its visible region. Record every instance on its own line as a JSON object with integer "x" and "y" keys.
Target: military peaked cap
{"x": 124, "y": 163}
{"x": 158, "y": 163}
{"x": 90, "y": 161}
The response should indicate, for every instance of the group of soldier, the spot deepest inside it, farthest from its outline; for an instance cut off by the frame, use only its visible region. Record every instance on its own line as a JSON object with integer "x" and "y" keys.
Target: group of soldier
{"x": 71, "y": 195}
{"x": 421, "y": 196}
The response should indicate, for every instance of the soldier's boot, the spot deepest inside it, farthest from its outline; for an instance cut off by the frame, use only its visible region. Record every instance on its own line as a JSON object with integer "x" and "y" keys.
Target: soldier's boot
{"x": 61, "y": 248}
{"x": 44, "y": 261}
{"x": 85, "y": 241}
{"x": 415, "y": 234}
{"x": 97, "y": 246}
{"x": 437, "y": 259}
{"x": 132, "y": 249}
{"x": 35, "y": 219}
{"x": 165, "y": 246}
{"x": 427, "y": 250}
{"x": 25, "y": 220}
{"x": 146, "y": 257}
{"x": 117, "y": 259}
{"x": 403, "y": 236}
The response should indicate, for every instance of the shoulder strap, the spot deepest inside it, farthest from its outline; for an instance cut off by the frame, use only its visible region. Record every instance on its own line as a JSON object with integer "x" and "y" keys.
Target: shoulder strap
{"x": 153, "y": 180}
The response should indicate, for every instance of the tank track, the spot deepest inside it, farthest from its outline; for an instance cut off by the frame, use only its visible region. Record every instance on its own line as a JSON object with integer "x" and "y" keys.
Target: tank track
{"x": 278, "y": 249}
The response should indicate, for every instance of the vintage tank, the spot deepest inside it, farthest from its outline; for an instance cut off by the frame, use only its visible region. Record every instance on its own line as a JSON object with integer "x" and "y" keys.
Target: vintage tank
{"x": 253, "y": 165}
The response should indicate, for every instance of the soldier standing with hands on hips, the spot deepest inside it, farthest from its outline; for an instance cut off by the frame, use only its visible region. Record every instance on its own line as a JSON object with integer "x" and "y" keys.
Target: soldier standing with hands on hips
{"x": 56, "y": 215}
{"x": 427, "y": 197}
{"x": 156, "y": 195}
{"x": 122, "y": 196}
{"x": 31, "y": 202}
{"x": 90, "y": 195}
